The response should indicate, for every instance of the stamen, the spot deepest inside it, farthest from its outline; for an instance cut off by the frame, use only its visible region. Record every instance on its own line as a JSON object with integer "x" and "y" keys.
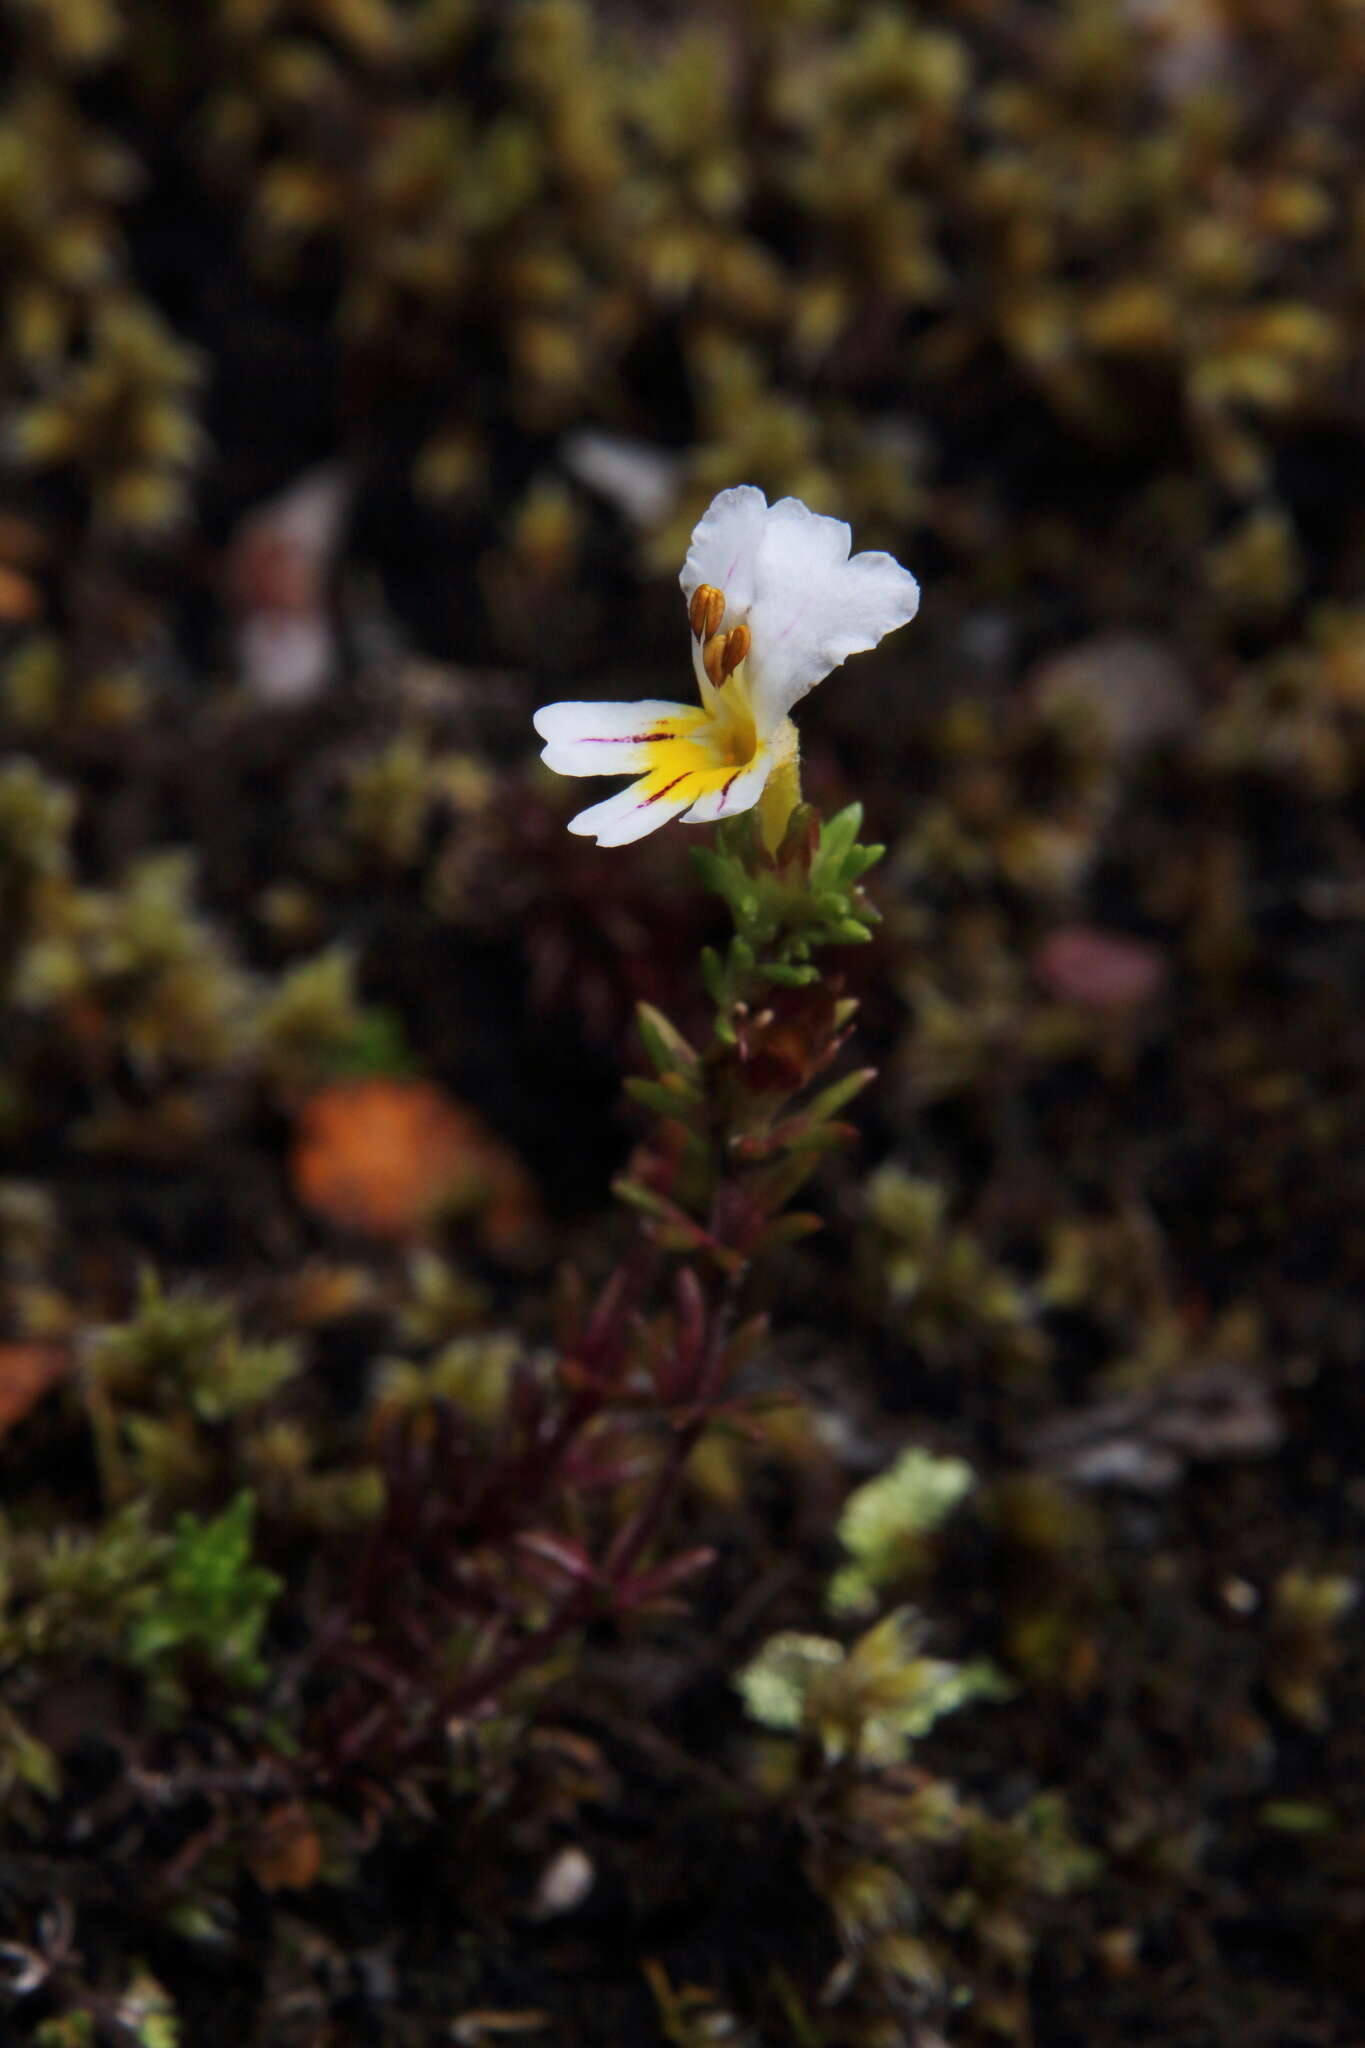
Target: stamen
{"x": 737, "y": 642}
{"x": 713, "y": 657}
{"x": 706, "y": 610}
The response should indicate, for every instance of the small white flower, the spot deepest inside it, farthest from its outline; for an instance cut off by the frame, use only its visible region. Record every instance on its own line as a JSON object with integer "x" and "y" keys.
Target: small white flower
{"x": 775, "y": 602}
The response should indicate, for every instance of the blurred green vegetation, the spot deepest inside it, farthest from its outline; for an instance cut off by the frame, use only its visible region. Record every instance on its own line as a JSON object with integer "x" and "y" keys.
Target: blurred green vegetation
{"x": 363, "y": 367}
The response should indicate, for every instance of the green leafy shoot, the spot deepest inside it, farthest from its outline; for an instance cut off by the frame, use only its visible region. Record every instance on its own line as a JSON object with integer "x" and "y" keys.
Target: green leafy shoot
{"x": 212, "y": 1600}
{"x": 885, "y": 1523}
{"x": 185, "y": 1345}
{"x": 785, "y": 906}
{"x": 145, "y": 2009}
{"x": 868, "y": 1703}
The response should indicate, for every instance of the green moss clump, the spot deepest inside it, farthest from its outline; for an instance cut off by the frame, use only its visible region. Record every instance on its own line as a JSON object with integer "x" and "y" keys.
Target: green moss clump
{"x": 213, "y": 1602}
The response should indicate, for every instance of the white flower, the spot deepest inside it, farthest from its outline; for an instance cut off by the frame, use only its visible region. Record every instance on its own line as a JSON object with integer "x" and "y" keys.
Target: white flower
{"x": 775, "y": 602}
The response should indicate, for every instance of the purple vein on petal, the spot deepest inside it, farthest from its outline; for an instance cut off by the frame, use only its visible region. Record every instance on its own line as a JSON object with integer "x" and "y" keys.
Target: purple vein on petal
{"x": 793, "y": 622}
{"x": 647, "y": 801}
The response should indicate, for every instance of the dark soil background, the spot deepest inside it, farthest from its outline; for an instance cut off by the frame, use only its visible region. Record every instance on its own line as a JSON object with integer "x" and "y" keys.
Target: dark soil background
{"x": 364, "y": 367}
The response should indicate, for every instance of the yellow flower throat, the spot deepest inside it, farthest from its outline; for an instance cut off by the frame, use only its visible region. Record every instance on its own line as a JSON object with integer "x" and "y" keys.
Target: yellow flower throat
{"x": 707, "y": 749}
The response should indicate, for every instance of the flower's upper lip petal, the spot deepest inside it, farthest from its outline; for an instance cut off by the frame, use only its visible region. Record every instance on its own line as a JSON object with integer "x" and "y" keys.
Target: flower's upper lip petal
{"x": 725, "y": 544}
{"x": 813, "y": 606}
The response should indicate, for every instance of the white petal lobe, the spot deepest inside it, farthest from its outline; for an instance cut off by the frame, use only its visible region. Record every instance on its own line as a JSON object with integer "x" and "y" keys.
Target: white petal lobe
{"x": 628, "y": 815}
{"x": 602, "y": 739}
{"x": 725, "y": 544}
{"x": 814, "y": 607}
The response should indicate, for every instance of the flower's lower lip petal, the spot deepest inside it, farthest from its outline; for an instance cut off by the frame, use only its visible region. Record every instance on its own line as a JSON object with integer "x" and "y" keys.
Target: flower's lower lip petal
{"x": 632, "y": 813}
{"x": 607, "y": 739}
{"x": 611, "y": 757}
{"x": 740, "y": 792}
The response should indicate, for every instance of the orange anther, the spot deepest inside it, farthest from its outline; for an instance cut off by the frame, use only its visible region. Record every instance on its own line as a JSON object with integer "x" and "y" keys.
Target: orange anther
{"x": 736, "y": 647}
{"x": 706, "y": 610}
{"x": 713, "y": 657}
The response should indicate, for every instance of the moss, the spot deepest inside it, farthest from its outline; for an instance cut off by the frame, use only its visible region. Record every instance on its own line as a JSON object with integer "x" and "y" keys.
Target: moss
{"x": 886, "y": 1521}
{"x": 1059, "y": 303}
{"x": 212, "y": 1602}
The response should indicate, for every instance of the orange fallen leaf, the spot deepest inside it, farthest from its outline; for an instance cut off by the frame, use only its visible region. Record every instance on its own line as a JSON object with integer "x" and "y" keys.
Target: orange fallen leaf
{"x": 27, "y": 1371}
{"x": 382, "y": 1157}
